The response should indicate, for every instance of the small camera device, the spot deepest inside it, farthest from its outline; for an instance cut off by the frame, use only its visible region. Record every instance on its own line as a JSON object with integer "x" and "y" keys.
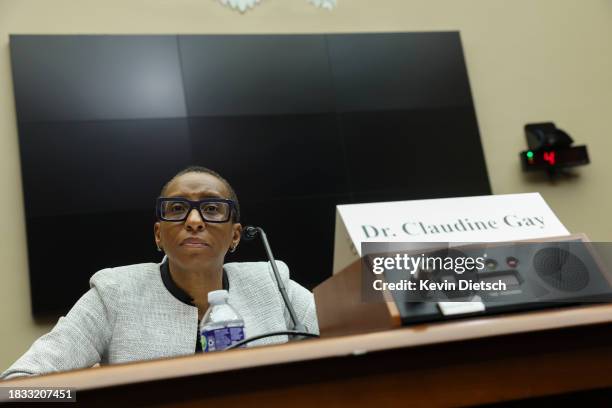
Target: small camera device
{"x": 550, "y": 149}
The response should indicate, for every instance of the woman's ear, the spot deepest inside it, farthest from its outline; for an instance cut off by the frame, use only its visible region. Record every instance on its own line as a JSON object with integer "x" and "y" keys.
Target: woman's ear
{"x": 157, "y": 235}
{"x": 236, "y": 234}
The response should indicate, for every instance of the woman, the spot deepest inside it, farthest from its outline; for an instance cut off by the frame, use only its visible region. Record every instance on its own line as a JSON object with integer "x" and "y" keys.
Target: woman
{"x": 148, "y": 311}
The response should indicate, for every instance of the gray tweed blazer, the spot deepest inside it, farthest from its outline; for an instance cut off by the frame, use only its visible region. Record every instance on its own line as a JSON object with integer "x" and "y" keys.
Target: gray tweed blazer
{"x": 129, "y": 315}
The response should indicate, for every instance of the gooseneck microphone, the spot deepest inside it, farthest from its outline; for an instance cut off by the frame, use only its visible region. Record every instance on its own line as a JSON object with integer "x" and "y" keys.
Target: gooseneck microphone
{"x": 250, "y": 232}
{"x": 299, "y": 329}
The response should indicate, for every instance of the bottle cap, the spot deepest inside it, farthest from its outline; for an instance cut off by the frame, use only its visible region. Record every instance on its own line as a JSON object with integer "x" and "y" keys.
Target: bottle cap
{"x": 217, "y": 296}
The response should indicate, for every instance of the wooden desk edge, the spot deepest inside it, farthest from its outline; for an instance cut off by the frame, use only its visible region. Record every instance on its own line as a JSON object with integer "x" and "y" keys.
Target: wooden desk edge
{"x": 414, "y": 336}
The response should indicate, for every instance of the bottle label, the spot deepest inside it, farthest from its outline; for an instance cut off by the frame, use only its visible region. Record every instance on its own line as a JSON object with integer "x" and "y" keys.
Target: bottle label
{"x": 220, "y": 339}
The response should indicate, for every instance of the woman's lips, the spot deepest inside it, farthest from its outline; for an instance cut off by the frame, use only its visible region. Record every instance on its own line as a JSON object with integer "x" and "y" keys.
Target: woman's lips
{"x": 194, "y": 243}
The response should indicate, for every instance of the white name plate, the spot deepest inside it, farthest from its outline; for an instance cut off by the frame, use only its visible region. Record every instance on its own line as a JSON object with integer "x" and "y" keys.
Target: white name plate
{"x": 493, "y": 218}
{"x": 456, "y": 308}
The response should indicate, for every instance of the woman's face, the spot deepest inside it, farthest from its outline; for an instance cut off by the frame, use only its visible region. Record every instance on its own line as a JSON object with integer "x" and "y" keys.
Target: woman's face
{"x": 194, "y": 242}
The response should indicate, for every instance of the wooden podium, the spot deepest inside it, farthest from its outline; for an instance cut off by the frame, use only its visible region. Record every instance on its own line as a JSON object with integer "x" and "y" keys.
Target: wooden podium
{"x": 474, "y": 361}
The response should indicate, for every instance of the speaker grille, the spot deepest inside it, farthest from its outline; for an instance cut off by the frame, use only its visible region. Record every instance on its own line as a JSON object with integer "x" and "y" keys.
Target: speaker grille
{"x": 561, "y": 269}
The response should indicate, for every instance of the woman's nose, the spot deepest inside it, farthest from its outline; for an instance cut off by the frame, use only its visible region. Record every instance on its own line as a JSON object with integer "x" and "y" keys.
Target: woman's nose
{"x": 194, "y": 220}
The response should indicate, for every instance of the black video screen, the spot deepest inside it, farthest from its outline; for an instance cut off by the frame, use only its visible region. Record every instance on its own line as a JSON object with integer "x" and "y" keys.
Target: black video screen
{"x": 296, "y": 123}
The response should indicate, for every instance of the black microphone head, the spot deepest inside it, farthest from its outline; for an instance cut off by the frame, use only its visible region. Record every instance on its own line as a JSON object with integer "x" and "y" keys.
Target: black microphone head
{"x": 249, "y": 232}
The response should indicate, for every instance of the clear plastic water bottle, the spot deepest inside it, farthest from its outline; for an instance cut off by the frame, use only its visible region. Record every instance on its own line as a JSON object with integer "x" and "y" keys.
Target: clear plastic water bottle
{"x": 221, "y": 326}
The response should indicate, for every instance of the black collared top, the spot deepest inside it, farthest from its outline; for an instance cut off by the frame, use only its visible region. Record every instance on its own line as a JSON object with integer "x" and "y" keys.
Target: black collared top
{"x": 183, "y": 296}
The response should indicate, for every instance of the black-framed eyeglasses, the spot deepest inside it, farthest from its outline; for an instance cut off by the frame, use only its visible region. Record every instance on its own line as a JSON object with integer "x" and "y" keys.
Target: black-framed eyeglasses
{"x": 177, "y": 209}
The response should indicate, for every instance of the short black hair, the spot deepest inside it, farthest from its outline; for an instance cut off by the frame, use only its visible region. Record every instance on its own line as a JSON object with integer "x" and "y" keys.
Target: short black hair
{"x": 200, "y": 169}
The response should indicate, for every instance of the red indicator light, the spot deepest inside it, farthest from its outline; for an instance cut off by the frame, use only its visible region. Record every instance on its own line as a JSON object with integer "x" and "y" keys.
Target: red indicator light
{"x": 550, "y": 157}
{"x": 512, "y": 261}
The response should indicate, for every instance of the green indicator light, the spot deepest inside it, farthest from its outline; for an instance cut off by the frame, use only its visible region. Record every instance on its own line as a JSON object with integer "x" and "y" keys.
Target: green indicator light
{"x": 530, "y": 154}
